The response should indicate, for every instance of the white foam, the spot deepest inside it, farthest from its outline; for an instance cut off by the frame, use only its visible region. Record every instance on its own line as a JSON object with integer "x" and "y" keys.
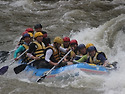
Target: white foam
{"x": 102, "y": 37}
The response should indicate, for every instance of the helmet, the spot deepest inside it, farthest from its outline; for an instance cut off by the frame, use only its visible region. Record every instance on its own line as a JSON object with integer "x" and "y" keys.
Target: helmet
{"x": 29, "y": 30}
{"x": 88, "y": 45}
{"x": 58, "y": 40}
{"x": 26, "y": 35}
{"x": 37, "y": 34}
{"x": 81, "y": 46}
{"x": 73, "y": 42}
{"x": 37, "y": 26}
{"x": 31, "y": 35}
{"x": 92, "y": 48}
{"x": 67, "y": 39}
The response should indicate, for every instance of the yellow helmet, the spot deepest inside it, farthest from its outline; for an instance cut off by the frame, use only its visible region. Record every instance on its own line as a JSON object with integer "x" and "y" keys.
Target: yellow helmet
{"x": 37, "y": 34}
{"x": 31, "y": 35}
{"x": 58, "y": 40}
{"x": 88, "y": 45}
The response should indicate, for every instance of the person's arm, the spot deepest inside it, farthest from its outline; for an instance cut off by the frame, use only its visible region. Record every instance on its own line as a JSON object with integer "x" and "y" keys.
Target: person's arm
{"x": 63, "y": 49}
{"x": 103, "y": 59}
{"x": 32, "y": 49}
{"x": 19, "y": 49}
{"x": 106, "y": 63}
{"x": 82, "y": 59}
{"x": 49, "y": 53}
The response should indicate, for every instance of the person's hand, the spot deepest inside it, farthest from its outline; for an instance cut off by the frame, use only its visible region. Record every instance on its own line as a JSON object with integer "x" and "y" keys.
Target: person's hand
{"x": 68, "y": 49}
{"x": 36, "y": 58}
{"x": 73, "y": 48}
{"x": 105, "y": 63}
{"x": 16, "y": 59}
{"x": 55, "y": 64}
{"x": 65, "y": 60}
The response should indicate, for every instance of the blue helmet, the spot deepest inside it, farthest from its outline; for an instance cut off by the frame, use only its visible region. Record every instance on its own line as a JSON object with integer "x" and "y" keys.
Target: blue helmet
{"x": 26, "y": 35}
{"x": 92, "y": 48}
{"x": 81, "y": 46}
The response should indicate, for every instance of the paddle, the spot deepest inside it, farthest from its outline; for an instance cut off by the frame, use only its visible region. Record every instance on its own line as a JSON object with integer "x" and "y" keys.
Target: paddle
{"x": 21, "y": 67}
{"x": 5, "y": 68}
{"x": 4, "y": 55}
{"x": 43, "y": 77}
{"x": 112, "y": 66}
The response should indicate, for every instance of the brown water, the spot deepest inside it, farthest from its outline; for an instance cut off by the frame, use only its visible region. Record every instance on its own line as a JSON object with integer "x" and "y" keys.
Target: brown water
{"x": 63, "y": 18}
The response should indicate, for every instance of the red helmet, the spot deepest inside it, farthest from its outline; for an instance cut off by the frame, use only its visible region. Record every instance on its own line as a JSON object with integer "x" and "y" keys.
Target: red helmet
{"x": 29, "y": 30}
{"x": 24, "y": 33}
{"x": 73, "y": 42}
{"x": 67, "y": 39}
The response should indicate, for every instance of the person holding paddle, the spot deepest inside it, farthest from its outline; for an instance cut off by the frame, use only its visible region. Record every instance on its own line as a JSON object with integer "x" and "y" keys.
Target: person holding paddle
{"x": 21, "y": 41}
{"x": 36, "y": 49}
{"x": 52, "y": 54}
{"x": 96, "y": 57}
{"x": 74, "y": 47}
{"x": 27, "y": 40}
{"x": 65, "y": 45}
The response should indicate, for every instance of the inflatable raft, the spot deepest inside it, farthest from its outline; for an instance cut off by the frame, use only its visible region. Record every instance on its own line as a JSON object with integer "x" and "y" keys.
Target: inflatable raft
{"x": 58, "y": 72}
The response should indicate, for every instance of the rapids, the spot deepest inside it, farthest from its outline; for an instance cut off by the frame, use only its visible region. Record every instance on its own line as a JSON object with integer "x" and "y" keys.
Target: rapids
{"x": 101, "y": 22}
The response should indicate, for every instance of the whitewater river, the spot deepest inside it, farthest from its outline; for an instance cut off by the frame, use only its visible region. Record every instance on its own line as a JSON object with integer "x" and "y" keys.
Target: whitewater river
{"x": 100, "y": 22}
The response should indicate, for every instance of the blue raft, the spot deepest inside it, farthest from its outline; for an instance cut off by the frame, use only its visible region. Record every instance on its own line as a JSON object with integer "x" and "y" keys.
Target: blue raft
{"x": 87, "y": 68}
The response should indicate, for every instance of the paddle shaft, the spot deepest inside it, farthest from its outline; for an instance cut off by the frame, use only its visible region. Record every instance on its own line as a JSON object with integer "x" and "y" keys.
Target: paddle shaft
{"x": 18, "y": 57}
{"x": 12, "y": 51}
{"x": 5, "y": 68}
{"x": 52, "y": 67}
{"x": 21, "y": 67}
{"x": 6, "y": 53}
{"x": 57, "y": 63}
{"x": 34, "y": 60}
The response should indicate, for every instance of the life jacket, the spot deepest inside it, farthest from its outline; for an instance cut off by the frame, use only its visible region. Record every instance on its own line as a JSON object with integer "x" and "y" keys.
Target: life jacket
{"x": 40, "y": 50}
{"x": 21, "y": 42}
{"x": 95, "y": 60}
{"x": 72, "y": 53}
{"x": 75, "y": 52}
{"x": 25, "y": 46}
{"x": 62, "y": 54}
{"x": 56, "y": 54}
{"x": 25, "y": 58}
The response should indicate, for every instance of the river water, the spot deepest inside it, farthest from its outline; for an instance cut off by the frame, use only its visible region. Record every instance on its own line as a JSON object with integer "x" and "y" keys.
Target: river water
{"x": 101, "y": 22}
